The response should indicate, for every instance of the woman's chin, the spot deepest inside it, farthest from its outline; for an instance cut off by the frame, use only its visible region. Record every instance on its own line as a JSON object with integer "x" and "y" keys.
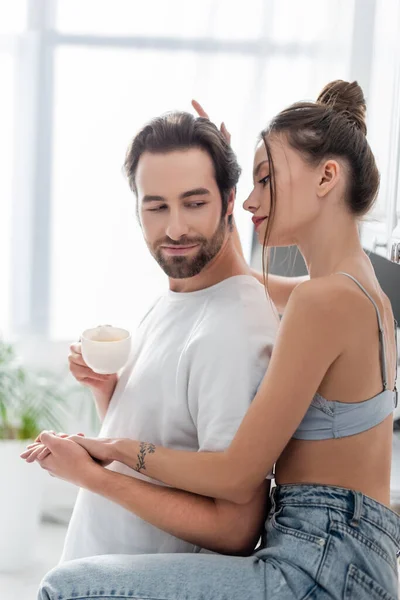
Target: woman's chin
{"x": 261, "y": 235}
{"x": 274, "y": 240}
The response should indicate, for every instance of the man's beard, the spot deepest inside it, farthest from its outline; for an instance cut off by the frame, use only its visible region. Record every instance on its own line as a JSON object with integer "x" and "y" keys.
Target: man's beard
{"x": 182, "y": 267}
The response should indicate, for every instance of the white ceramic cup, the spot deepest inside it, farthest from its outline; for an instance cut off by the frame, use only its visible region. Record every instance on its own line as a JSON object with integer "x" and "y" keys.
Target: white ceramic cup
{"x": 106, "y": 349}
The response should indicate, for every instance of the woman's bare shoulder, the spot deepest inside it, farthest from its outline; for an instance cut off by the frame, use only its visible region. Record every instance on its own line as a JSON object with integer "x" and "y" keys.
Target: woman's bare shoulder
{"x": 324, "y": 294}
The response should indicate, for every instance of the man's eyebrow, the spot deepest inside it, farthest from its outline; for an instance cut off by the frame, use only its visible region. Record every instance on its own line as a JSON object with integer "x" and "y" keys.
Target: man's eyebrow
{"x": 149, "y": 198}
{"x": 196, "y": 192}
{"x": 258, "y": 167}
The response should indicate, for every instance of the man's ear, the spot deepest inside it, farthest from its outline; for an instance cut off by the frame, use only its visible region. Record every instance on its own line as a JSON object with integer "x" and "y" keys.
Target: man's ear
{"x": 231, "y": 202}
{"x": 328, "y": 177}
{"x": 139, "y": 220}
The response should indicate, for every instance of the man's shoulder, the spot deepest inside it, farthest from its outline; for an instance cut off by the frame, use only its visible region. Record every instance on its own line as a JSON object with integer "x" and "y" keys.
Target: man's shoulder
{"x": 154, "y": 303}
{"x": 243, "y": 298}
{"x": 240, "y": 308}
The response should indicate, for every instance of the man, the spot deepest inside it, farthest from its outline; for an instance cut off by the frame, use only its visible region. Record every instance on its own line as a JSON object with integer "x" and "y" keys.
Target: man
{"x": 199, "y": 356}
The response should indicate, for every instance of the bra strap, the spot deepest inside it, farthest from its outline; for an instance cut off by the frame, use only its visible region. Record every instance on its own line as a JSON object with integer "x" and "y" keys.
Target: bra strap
{"x": 396, "y": 393}
{"x": 381, "y": 330}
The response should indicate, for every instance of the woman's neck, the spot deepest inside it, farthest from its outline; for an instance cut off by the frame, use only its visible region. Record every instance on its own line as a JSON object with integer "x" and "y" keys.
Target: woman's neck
{"x": 329, "y": 243}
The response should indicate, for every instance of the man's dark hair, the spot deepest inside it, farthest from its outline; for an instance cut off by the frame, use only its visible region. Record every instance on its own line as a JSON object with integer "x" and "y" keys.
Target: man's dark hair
{"x": 182, "y": 131}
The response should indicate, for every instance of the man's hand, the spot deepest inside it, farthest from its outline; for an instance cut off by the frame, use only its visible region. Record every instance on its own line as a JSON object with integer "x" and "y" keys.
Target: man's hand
{"x": 101, "y": 386}
{"x": 66, "y": 460}
{"x": 102, "y": 450}
{"x": 38, "y": 450}
{"x": 105, "y": 384}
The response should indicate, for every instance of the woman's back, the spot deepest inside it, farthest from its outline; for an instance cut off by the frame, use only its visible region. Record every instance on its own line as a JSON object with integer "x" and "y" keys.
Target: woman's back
{"x": 361, "y": 461}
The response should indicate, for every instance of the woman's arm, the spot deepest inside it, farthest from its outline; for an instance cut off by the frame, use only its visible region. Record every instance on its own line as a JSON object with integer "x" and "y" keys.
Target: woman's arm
{"x": 309, "y": 341}
{"x": 279, "y": 288}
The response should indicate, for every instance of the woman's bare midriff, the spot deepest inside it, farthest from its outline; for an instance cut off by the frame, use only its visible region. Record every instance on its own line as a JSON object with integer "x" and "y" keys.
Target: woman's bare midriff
{"x": 360, "y": 462}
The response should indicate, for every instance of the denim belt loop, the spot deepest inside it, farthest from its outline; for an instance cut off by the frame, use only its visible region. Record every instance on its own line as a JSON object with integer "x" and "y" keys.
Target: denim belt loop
{"x": 358, "y": 505}
{"x": 273, "y": 500}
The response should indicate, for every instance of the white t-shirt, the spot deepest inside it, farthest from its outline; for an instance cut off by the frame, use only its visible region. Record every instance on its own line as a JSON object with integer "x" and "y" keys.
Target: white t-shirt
{"x": 197, "y": 362}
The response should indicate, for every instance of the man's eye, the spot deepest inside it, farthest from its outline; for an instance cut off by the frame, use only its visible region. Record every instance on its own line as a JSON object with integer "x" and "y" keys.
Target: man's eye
{"x": 157, "y": 209}
{"x": 265, "y": 180}
{"x": 196, "y": 204}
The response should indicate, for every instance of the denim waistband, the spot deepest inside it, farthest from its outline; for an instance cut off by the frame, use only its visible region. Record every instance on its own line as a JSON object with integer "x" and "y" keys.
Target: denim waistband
{"x": 354, "y": 503}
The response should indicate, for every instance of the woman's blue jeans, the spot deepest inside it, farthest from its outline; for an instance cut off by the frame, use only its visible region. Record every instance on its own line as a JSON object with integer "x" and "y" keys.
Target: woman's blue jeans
{"x": 323, "y": 542}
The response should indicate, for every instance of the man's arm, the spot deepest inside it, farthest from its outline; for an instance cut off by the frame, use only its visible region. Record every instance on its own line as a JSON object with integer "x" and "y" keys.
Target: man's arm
{"x": 102, "y": 399}
{"x": 101, "y": 386}
{"x": 217, "y": 525}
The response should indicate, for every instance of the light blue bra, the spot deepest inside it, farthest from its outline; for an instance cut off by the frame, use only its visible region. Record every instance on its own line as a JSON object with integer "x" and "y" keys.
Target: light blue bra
{"x": 327, "y": 419}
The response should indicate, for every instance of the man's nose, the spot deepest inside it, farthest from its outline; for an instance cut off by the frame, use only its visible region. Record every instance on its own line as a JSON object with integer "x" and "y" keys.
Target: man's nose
{"x": 177, "y": 226}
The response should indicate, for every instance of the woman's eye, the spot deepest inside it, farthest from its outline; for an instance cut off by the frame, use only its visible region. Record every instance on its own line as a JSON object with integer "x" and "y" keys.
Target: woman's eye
{"x": 265, "y": 180}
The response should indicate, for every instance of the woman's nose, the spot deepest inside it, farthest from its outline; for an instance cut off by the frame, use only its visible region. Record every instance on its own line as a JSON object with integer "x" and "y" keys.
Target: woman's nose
{"x": 249, "y": 205}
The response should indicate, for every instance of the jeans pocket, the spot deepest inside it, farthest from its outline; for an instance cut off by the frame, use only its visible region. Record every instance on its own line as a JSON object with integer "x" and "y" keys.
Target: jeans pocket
{"x": 373, "y": 544}
{"x": 360, "y": 586}
{"x": 290, "y": 523}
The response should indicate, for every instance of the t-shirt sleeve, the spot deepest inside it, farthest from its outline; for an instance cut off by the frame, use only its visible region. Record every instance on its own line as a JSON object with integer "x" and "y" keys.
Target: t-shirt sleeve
{"x": 227, "y": 363}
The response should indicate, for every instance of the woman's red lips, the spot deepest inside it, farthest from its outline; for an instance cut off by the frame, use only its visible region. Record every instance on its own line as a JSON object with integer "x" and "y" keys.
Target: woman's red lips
{"x": 258, "y": 220}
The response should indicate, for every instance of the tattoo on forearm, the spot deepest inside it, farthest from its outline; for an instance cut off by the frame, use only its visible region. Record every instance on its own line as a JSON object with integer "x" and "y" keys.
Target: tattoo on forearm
{"x": 144, "y": 448}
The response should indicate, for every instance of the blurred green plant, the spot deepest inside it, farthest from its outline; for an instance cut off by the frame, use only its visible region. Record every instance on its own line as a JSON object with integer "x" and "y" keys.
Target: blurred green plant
{"x": 30, "y": 401}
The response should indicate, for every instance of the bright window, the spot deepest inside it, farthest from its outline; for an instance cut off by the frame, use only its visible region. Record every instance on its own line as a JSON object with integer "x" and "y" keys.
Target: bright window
{"x": 6, "y": 162}
{"x": 243, "y": 69}
{"x": 93, "y": 72}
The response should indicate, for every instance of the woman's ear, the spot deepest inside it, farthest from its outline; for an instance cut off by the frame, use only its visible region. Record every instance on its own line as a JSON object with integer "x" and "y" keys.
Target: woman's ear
{"x": 328, "y": 177}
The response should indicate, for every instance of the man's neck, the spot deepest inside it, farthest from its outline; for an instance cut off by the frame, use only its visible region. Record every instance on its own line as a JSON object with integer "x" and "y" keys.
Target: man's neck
{"x": 227, "y": 263}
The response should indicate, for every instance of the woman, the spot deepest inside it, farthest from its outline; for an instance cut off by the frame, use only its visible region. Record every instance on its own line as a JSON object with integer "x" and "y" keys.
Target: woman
{"x": 323, "y": 412}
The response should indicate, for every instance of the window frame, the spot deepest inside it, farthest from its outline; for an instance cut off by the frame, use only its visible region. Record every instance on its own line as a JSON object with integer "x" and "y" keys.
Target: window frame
{"x": 34, "y": 50}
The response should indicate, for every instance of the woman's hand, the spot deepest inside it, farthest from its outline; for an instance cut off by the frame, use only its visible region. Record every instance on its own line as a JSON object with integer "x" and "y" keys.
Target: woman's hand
{"x": 65, "y": 459}
{"x": 38, "y": 450}
{"x": 100, "y": 449}
{"x": 202, "y": 113}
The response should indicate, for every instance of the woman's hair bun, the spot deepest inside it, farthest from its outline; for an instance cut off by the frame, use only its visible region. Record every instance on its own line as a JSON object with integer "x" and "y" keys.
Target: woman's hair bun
{"x": 348, "y": 100}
